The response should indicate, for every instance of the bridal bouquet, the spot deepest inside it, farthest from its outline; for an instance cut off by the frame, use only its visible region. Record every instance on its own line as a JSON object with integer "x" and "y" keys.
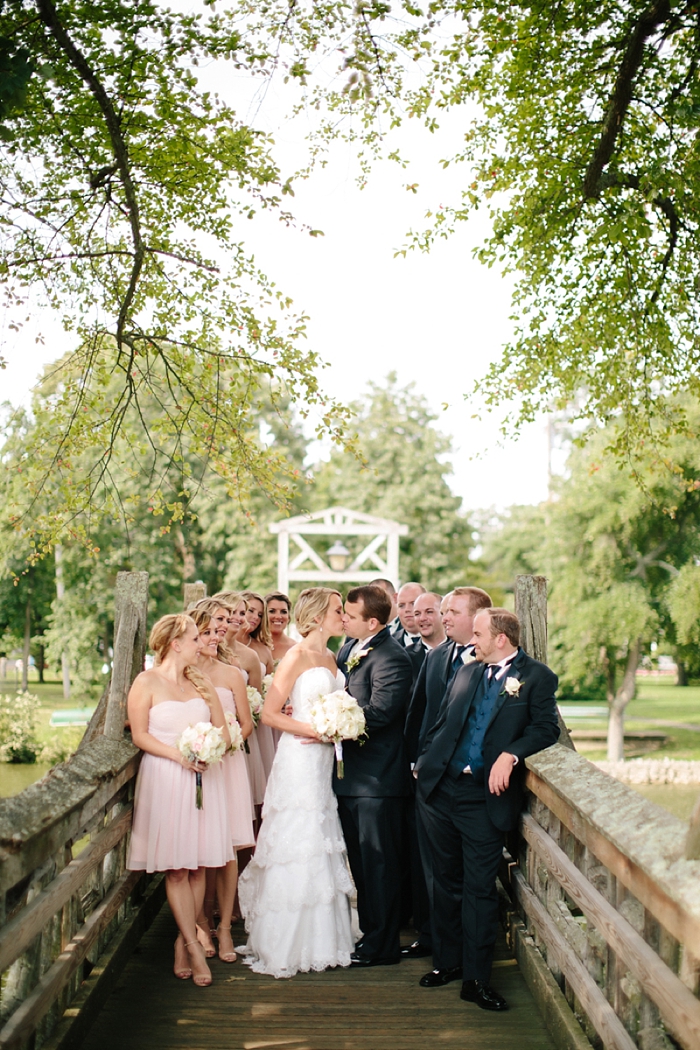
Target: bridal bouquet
{"x": 336, "y": 717}
{"x": 266, "y": 683}
{"x": 203, "y": 743}
{"x": 235, "y": 732}
{"x": 256, "y": 703}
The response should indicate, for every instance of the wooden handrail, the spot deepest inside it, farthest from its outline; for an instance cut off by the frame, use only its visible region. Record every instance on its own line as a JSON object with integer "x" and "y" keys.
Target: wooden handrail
{"x": 591, "y": 805}
{"x": 25, "y": 1020}
{"x": 679, "y": 1007}
{"x": 598, "y": 1009}
{"x": 19, "y": 932}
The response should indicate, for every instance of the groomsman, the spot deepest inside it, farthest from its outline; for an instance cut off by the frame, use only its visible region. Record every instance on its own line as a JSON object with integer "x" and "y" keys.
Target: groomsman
{"x": 498, "y": 710}
{"x": 439, "y": 668}
{"x": 377, "y": 781}
{"x": 387, "y": 586}
{"x": 442, "y": 663}
{"x": 407, "y": 633}
{"x": 426, "y": 613}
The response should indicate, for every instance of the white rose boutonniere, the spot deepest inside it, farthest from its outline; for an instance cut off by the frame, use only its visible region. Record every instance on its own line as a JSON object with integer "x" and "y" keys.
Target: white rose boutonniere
{"x": 355, "y": 658}
{"x": 512, "y": 686}
{"x": 469, "y": 659}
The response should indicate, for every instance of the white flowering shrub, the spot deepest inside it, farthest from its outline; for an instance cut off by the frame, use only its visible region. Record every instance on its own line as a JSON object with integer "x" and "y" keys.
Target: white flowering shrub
{"x": 18, "y": 721}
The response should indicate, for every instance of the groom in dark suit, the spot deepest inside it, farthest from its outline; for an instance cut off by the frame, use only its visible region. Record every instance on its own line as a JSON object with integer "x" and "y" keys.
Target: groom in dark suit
{"x": 470, "y": 782}
{"x": 377, "y": 781}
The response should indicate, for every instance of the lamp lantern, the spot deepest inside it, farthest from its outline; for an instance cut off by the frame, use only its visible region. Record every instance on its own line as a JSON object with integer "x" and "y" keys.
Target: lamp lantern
{"x": 338, "y": 556}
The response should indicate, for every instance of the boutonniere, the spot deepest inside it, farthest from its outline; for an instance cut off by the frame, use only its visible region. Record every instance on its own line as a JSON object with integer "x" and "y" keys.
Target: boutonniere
{"x": 354, "y": 660}
{"x": 512, "y": 686}
{"x": 469, "y": 659}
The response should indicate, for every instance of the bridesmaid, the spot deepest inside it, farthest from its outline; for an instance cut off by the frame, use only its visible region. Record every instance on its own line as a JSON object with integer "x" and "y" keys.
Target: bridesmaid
{"x": 230, "y": 686}
{"x": 238, "y": 608}
{"x": 232, "y": 651}
{"x": 279, "y": 614}
{"x": 169, "y": 833}
{"x": 255, "y": 631}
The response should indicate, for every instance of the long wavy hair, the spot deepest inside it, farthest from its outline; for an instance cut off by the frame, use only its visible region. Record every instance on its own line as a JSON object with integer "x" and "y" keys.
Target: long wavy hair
{"x": 262, "y": 631}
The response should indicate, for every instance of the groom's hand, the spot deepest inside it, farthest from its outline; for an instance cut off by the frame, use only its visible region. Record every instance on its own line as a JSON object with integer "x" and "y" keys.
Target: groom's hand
{"x": 499, "y": 777}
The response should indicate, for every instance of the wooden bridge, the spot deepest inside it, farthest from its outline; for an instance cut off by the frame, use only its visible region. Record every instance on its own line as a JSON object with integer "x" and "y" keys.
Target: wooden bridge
{"x": 601, "y": 909}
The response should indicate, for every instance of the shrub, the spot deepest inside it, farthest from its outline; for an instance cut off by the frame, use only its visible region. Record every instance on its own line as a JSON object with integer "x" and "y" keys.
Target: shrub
{"x": 18, "y": 716}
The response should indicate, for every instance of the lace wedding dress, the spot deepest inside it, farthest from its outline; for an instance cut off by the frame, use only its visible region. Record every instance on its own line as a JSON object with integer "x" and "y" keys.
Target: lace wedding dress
{"x": 295, "y": 892}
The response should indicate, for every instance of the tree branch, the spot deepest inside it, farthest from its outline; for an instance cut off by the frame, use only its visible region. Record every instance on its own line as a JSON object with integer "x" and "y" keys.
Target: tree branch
{"x": 654, "y": 16}
{"x": 51, "y": 19}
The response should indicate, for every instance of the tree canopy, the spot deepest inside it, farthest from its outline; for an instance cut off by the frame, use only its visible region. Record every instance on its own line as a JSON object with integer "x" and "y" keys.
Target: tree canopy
{"x": 125, "y": 187}
{"x": 580, "y": 138}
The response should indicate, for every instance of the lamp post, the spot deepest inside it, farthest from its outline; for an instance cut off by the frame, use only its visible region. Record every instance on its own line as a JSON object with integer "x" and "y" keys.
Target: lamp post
{"x": 338, "y": 556}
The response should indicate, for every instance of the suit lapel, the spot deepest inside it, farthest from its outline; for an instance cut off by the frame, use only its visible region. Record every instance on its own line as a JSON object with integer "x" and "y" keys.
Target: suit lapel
{"x": 514, "y": 671}
{"x": 464, "y": 702}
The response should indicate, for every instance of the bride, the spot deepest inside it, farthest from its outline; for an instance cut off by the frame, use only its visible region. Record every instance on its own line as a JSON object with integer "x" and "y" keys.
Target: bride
{"x": 295, "y": 892}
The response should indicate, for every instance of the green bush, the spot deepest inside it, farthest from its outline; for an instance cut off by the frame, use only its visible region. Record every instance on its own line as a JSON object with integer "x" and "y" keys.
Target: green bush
{"x": 18, "y": 720}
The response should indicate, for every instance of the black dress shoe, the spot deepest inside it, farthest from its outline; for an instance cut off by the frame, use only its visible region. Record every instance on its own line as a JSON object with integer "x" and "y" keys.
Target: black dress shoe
{"x": 484, "y": 996}
{"x": 436, "y": 978}
{"x": 415, "y": 951}
{"x": 358, "y": 959}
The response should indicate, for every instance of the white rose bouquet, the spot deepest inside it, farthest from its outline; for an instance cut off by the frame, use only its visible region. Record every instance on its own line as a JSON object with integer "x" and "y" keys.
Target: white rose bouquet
{"x": 235, "y": 732}
{"x": 256, "y": 703}
{"x": 266, "y": 683}
{"x": 203, "y": 743}
{"x": 336, "y": 717}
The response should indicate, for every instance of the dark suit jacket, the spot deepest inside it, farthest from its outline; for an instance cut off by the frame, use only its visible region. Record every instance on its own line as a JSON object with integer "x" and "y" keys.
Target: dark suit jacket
{"x": 428, "y": 694}
{"x": 416, "y": 653}
{"x": 381, "y": 684}
{"x": 520, "y": 724}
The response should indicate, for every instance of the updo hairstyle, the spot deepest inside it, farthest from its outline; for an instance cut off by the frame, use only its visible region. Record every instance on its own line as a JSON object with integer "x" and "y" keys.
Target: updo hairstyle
{"x": 207, "y": 607}
{"x": 166, "y": 631}
{"x": 311, "y": 608}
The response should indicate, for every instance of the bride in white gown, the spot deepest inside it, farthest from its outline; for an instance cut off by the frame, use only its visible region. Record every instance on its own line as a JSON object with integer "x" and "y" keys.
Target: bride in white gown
{"x": 295, "y": 893}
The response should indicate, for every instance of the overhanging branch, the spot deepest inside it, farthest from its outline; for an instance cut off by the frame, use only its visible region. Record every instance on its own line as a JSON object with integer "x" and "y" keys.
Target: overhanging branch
{"x": 654, "y": 16}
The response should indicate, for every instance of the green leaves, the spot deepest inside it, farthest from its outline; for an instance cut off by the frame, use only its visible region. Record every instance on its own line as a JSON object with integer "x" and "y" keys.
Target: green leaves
{"x": 123, "y": 191}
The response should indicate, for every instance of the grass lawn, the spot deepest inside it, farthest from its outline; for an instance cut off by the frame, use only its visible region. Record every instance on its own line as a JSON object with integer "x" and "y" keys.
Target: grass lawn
{"x": 656, "y": 699}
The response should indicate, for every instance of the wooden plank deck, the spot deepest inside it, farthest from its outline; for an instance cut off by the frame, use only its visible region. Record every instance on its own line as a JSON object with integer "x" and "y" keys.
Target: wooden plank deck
{"x": 382, "y": 1008}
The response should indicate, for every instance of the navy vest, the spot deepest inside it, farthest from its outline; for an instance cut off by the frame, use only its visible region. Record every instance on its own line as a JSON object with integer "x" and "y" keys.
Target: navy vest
{"x": 470, "y": 749}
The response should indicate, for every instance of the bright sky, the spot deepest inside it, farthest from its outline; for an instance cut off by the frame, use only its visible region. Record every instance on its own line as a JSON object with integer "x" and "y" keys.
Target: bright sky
{"x": 437, "y": 320}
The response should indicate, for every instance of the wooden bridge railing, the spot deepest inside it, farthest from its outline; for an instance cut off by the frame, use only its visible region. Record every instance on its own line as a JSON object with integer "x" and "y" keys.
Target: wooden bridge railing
{"x": 613, "y": 905}
{"x": 65, "y": 894}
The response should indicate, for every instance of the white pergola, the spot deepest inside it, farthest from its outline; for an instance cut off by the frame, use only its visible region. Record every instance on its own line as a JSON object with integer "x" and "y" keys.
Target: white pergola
{"x": 379, "y": 556}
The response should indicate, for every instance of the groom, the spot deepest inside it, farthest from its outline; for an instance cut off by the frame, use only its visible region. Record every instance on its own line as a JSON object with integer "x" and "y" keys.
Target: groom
{"x": 377, "y": 781}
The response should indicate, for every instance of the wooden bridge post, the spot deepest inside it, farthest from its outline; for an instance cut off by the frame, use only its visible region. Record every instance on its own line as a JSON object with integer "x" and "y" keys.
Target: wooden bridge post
{"x": 692, "y": 842}
{"x": 131, "y": 608}
{"x": 531, "y": 610}
{"x": 194, "y": 592}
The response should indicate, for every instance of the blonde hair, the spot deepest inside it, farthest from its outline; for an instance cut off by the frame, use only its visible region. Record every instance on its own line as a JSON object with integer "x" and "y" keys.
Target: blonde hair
{"x": 312, "y": 606}
{"x": 230, "y": 598}
{"x": 262, "y": 631}
{"x": 210, "y": 605}
{"x": 205, "y": 609}
{"x": 166, "y": 631}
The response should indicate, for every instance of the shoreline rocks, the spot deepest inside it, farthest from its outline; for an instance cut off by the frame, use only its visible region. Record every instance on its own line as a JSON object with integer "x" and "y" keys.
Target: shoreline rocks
{"x": 653, "y": 771}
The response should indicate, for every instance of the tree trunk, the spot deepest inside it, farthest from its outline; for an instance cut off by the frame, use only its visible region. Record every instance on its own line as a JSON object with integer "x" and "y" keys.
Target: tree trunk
{"x": 27, "y": 642}
{"x": 682, "y": 673}
{"x": 41, "y": 664}
{"x": 616, "y": 721}
{"x": 60, "y": 592}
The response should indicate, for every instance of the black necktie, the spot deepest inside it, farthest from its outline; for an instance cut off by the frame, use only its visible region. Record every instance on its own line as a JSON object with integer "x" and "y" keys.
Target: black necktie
{"x": 456, "y": 662}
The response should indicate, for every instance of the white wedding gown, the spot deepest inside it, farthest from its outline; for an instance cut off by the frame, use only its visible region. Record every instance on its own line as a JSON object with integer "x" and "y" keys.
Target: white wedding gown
{"x": 295, "y": 892}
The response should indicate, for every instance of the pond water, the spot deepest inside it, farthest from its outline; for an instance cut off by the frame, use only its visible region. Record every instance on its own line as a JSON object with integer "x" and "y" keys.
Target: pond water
{"x": 14, "y": 778}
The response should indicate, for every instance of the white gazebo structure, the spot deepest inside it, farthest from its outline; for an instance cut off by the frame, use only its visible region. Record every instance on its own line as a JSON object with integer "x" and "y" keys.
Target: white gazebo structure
{"x": 378, "y": 557}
